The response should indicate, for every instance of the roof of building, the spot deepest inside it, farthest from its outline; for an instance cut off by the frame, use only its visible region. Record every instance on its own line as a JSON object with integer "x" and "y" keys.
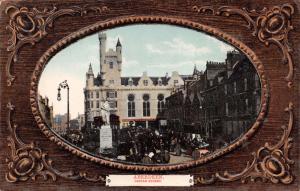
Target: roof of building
{"x": 135, "y": 80}
{"x": 118, "y": 43}
{"x": 98, "y": 81}
{"x": 187, "y": 77}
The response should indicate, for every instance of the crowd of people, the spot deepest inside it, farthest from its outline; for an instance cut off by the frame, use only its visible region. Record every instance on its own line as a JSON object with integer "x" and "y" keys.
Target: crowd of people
{"x": 151, "y": 146}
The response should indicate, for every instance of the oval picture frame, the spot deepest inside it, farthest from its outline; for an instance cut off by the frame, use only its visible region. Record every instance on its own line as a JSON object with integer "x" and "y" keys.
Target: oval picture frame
{"x": 121, "y": 21}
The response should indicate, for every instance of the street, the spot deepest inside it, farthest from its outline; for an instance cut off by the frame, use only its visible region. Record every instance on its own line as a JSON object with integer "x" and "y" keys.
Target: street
{"x": 178, "y": 159}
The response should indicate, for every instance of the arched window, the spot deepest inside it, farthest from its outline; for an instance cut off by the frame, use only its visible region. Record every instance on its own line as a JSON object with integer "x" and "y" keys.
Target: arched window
{"x": 160, "y": 103}
{"x": 131, "y": 106}
{"x": 146, "y": 105}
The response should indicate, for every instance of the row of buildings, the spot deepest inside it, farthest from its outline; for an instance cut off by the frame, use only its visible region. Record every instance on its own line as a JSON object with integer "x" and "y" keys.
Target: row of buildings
{"x": 59, "y": 122}
{"x": 220, "y": 103}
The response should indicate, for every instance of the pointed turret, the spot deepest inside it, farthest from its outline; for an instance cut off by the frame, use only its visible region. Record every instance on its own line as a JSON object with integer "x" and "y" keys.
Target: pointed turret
{"x": 118, "y": 43}
{"x": 119, "y": 53}
{"x": 90, "y": 77}
{"x": 90, "y": 71}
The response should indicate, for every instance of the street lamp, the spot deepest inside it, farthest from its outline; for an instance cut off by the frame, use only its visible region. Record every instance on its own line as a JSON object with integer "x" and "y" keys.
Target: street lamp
{"x": 65, "y": 85}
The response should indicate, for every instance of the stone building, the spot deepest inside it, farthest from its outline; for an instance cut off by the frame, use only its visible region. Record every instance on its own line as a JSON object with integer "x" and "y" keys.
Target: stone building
{"x": 132, "y": 98}
{"x": 220, "y": 104}
{"x": 46, "y": 110}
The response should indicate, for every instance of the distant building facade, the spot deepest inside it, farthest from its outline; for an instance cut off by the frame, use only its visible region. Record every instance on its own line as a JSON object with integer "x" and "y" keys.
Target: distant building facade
{"x": 81, "y": 121}
{"x": 60, "y": 124}
{"x": 139, "y": 99}
{"x": 220, "y": 103}
{"x": 46, "y": 110}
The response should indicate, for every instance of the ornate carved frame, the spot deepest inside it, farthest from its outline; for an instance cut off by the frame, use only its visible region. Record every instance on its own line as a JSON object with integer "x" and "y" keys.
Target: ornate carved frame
{"x": 270, "y": 25}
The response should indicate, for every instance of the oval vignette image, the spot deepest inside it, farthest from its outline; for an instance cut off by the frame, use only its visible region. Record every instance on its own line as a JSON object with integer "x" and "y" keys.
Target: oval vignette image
{"x": 149, "y": 94}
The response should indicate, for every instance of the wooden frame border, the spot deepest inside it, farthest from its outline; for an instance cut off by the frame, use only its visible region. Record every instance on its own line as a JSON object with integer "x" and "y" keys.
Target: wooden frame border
{"x": 263, "y": 168}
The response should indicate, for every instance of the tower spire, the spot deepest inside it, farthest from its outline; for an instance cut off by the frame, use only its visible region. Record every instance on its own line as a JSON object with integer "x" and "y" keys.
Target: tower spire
{"x": 90, "y": 71}
{"x": 118, "y": 43}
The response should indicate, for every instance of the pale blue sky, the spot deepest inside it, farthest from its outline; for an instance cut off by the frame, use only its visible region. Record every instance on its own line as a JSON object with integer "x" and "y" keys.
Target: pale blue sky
{"x": 154, "y": 48}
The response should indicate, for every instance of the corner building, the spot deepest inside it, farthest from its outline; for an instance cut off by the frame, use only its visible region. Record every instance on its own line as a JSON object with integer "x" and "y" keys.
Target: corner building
{"x": 132, "y": 98}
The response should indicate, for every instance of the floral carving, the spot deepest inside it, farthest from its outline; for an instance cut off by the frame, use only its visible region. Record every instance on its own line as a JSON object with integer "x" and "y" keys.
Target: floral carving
{"x": 271, "y": 26}
{"x": 29, "y": 26}
{"x": 28, "y": 161}
{"x": 270, "y": 162}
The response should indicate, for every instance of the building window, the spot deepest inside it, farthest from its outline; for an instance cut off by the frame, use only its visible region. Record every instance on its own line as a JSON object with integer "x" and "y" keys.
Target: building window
{"x": 226, "y": 108}
{"x": 146, "y": 105}
{"x": 246, "y": 104}
{"x": 210, "y": 83}
{"x": 175, "y": 82}
{"x": 92, "y": 96}
{"x": 98, "y": 105}
{"x": 234, "y": 87}
{"x": 111, "y": 94}
{"x": 88, "y": 94}
{"x": 131, "y": 106}
{"x": 159, "y": 82}
{"x": 160, "y": 103}
{"x": 111, "y": 65}
{"x": 130, "y": 82}
{"x": 257, "y": 107}
{"x": 256, "y": 81}
{"x": 97, "y": 94}
{"x": 111, "y": 81}
{"x": 145, "y": 82}
{"x": 225, "y": 89}
{"x": 87, "y": 104}
{"x": 92, "y": 104}
{"x": 246, "y": 84}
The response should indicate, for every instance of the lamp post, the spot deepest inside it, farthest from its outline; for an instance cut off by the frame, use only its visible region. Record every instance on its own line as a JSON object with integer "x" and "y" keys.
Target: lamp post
{"x": 65, "y": 85}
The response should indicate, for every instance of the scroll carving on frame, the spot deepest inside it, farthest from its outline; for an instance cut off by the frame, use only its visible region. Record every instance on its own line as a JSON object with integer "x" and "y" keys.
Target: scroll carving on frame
{"x": 29, "y": 26}
{"x": 28, "y": 161}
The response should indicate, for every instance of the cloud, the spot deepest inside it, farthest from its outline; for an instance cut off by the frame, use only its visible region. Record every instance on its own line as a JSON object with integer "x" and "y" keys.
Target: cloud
{"x": 177, "y": 65}
{"x": 177, "y": 46}
{"x": 225, "y": 47}
{"x": 129, "y": 63}
{"x": 153, "y": 49}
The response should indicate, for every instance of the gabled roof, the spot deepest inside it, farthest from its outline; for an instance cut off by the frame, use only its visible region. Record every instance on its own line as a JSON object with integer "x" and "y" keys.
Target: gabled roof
{"x": 135, "y": 80}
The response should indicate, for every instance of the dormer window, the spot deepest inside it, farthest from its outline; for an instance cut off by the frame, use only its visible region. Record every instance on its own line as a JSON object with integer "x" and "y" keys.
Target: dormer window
{"x": 130, "y": 82}
{"x": 111, "y": 65}
{"x": 159, "y": 82}
{"x": 175, "y": 82}
{"x": 145, "y": 82}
